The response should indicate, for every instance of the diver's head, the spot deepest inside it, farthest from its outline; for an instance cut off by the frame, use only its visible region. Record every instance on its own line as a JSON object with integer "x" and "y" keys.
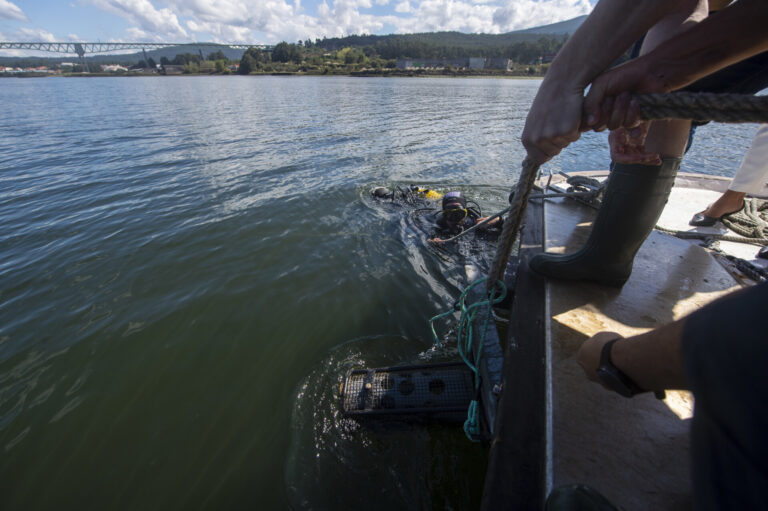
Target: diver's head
{"x": 381, "y": 192}
{"x": 454, "y": 208}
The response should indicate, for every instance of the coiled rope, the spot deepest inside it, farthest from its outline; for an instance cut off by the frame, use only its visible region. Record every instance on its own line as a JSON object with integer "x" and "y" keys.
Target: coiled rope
{"x": 751, "y": 222}
{"x": 694, "y": 235}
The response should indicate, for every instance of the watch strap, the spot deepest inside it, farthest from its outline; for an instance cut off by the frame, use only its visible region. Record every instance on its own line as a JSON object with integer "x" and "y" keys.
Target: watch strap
{"x": 605, "y": 361}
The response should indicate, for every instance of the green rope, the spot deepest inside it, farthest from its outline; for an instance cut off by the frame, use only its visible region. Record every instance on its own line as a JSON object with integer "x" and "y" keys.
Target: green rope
{"x": 465, "y": 340}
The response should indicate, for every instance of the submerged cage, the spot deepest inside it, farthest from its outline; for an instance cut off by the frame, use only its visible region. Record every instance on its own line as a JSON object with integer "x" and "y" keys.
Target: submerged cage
{"x": 434, "y": 391}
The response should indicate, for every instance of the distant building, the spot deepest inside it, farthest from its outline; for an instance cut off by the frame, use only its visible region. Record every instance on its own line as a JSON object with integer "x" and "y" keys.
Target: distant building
{"x": 457, "y": 63}
{"x": 113, "y": 68}
{"x": 498, "y": 63}
{"x": 420, "y": 63}
{"x": 143, "y": 71}
{"x": 463, "y": 63}
{"x": 476, "y": 63}
{"x": 38, "y": 69}
{"x": 172, "y": 69}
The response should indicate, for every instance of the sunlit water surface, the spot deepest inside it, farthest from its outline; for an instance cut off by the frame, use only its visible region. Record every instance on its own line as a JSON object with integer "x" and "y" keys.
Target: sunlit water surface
{"x": 189, "y": 265}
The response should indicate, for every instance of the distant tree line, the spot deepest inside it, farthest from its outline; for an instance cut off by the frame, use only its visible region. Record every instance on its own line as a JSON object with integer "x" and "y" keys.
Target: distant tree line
{"x": 356, "y": 53}
{"x": 360, "y": 53}
{"x": 449, "y": 45}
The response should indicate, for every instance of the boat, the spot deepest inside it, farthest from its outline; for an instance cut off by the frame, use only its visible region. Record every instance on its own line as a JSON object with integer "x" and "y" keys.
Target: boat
{"x": 556, "y": 428}
{"x": 545, "y": 423}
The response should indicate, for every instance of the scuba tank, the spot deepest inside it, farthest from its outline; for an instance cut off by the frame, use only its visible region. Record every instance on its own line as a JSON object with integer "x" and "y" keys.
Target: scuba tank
{"x": 407, "y": 194}
{"x": 426, "y": 192}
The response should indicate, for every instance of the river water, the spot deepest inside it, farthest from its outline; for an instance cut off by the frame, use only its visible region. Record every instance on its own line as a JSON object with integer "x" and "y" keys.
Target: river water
{"x": 189, "y": 265}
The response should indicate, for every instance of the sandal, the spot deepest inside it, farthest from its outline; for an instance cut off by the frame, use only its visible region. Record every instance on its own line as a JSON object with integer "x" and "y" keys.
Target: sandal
{"x": 702, "y": 220}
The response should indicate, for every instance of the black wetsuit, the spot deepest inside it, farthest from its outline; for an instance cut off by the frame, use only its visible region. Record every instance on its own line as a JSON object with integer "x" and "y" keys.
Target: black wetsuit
{"x": 466, "y": 223}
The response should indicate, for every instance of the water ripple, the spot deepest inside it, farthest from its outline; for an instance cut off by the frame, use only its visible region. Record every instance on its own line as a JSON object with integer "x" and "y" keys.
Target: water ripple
{"x": 179, "y": 255}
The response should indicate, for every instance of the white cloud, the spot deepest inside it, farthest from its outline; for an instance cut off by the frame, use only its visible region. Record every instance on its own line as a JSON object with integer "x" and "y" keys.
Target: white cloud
{"x": 223, "y": 33}
{"x": 485, "y": 16}
{"x": 447, "y": 15}
{"x": 151, "y": 22}
{"x": 249, "y": 21}
{"x": 219, "y": 11}
{"x": 346, "y": 19}
{"x": 277, "y": 20}
{"x": 11, "y": 11}
{"x": 34, "y": 34}
{"x": 519, "y": 14}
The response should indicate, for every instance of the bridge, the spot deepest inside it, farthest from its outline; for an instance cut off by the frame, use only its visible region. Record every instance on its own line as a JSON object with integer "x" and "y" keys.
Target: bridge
{"x": 95, "y": 48}
{"x": 81, "y": 48}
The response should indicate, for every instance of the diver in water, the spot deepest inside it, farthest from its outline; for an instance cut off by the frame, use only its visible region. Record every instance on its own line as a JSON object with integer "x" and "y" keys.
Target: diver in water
{"x": 457, "y": 214}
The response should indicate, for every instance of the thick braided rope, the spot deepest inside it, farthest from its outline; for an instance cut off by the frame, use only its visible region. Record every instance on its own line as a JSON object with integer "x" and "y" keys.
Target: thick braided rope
{"x": 701, "y": 107}
{"x": 751, "y": 222}
{"x": 695, "y": 235}
{"x": 704, "y": 106}
{"x": 512, "y": 226}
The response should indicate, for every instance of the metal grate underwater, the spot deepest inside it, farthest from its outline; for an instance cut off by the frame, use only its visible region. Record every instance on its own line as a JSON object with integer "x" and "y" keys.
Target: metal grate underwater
{"x": 436, "y": 391}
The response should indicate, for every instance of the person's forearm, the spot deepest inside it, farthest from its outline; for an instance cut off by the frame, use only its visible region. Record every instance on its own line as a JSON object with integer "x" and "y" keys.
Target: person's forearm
{"x": 735, "y": 33}
{"x": 611, "y": 28}
{"x": 654, "y": 359}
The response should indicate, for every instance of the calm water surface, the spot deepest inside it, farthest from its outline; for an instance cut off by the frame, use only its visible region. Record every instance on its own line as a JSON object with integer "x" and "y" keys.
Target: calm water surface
{"x": 189, "y": 265}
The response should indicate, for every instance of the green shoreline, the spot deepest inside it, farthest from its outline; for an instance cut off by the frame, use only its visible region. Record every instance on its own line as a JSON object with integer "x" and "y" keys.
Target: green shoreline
{"x": 404, "y": 74}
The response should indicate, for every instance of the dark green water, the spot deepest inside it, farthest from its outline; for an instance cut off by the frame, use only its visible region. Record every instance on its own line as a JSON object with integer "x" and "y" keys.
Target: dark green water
{"x": 189, "y": 265}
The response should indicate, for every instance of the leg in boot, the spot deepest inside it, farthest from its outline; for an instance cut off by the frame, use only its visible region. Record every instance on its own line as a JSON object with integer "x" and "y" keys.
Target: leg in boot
{"x": 633, "y": 202}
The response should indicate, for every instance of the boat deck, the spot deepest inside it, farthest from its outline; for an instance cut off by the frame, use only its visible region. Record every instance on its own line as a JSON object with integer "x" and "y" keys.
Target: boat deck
{"x": 633, "y": 451}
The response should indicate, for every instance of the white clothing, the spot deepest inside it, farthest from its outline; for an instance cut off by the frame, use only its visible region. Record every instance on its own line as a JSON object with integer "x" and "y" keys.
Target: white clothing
{"x": 752, "y": 176}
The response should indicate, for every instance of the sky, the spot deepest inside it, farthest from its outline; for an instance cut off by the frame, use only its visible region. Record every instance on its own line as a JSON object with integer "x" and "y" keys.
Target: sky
{"x": 266, "y": 21}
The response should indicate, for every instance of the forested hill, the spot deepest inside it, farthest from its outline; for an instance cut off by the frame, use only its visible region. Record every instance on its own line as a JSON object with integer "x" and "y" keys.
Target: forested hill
{"x": 450, "y": 44}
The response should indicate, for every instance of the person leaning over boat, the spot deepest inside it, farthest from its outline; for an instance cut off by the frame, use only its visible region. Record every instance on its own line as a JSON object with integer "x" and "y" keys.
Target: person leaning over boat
{"x": 456, "y": 215}
{"x": 720, "y": 353}
{"x": 646, "y": 155}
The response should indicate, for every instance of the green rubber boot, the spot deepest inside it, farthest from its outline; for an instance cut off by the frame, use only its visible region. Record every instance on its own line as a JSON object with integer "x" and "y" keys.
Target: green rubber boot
{"x": 633, "y": 202}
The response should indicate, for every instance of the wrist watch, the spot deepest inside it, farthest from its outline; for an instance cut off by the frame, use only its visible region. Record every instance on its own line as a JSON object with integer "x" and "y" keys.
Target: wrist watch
{"x": 613, "y": 377}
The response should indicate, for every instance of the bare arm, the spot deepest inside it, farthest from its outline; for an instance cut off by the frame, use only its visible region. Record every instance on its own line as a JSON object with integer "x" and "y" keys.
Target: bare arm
{"x": 554, "y": 120}
{"x": 735, "y": 33}
{"x": 653, "y": 360}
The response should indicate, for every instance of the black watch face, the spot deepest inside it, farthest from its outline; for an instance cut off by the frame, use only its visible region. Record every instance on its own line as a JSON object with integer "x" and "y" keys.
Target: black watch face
{"x": 610, "y": 377}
